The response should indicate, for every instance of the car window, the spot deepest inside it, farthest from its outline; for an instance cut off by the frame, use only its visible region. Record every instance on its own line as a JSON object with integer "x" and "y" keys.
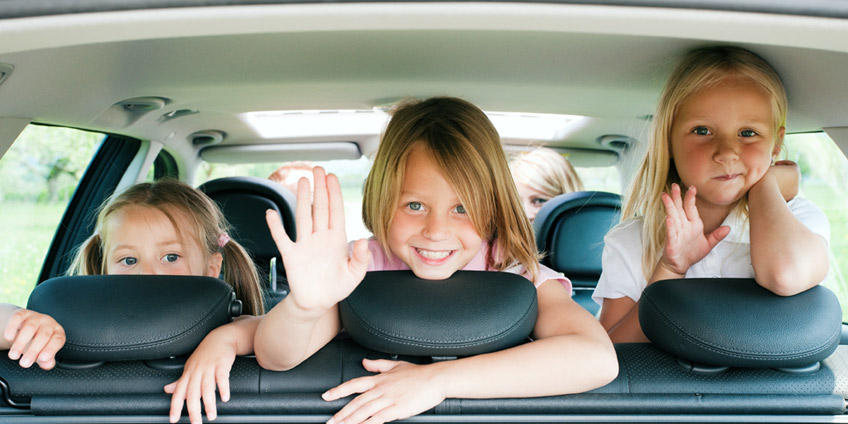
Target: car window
{"x": 600, "y": 178}
{"x": 38, "y": 175}
{"x": 351, "y": 173}
{"x": 824, "y": 170}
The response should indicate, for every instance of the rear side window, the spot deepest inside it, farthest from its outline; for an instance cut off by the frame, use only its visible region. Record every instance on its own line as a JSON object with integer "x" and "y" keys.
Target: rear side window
{"x": 351, "y": 173}
{"x": 38, "y": 175}
{"x": 824, "y": 171}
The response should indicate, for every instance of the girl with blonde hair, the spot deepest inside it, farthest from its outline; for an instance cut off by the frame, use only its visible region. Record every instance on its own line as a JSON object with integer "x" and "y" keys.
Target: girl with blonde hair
{"x": 709, "y": 200}
{"x": 540, "y": 175}
{"x": 199, "y": 233}
{"x": 439, "y": 198}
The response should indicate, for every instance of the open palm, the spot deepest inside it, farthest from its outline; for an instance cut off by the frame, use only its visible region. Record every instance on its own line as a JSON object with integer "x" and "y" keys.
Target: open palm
{"x": 686, "y": 243}
{"x": 320, "y": 270}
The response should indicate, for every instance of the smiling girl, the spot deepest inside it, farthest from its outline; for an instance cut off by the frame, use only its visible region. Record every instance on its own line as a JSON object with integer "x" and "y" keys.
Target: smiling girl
{"x": 439, "y": 199}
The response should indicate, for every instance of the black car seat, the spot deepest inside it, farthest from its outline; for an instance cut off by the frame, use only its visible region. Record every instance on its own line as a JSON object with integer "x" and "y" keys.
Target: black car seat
{"x": 570, "y": 230}
{"x": 244, "y": 200}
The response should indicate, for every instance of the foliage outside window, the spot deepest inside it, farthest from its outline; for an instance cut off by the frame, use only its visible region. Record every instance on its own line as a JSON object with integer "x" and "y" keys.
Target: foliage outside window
{"x": 824, "y": 170}
{"x": 39, "y": 174}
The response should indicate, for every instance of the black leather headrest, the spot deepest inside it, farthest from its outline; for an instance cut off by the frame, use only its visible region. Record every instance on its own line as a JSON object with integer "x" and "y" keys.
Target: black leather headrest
{"x": 736, "y": 322}
{"x": 244, "y": 200}
{"x": 134, "y": 317}
{"x": 570, "y": 230}
{"x": 470, "y": 313}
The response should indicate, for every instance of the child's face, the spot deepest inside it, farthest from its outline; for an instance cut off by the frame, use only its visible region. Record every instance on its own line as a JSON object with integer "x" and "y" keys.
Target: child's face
{"x": 723, "y": 140}
{"x": 532, "y": 199}
{"x": 142, "y": 240}
{"x": 431, "y": 232}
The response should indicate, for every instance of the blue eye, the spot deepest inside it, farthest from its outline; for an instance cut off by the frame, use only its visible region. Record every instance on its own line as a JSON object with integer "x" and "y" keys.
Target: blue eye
{"x": 748, "y": 133}
{"x": 460, "y": 209}
{"x": 129, "y": 261}
{"x": 701, "y": 131}
{"x": 172, "y": 257}
{"x": 539, "y": 201}
{"x": 414, "y": 206}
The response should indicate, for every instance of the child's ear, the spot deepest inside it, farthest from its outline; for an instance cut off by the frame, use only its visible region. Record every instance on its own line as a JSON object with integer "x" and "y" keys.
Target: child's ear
{"x": 213, "y": 266}
{"x": 778, "y": 141}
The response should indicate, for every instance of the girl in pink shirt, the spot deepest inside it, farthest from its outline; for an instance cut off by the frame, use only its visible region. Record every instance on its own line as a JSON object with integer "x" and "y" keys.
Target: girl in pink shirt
{"x": 439, "y": 198}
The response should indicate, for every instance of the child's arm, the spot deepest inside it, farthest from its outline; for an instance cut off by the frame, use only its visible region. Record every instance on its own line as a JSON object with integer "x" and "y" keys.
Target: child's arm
{"x": 320, "y": 273}
{"x": 209, "y": 366}
{"x": 686, "y": 244}
{"x": 570, "y": 354}
{"x": 788, "y": 257}
{"x": 30, "y": 336}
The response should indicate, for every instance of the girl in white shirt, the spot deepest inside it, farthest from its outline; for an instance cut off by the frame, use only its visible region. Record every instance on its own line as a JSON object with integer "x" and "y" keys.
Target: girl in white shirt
{"x": 709, "y": 200}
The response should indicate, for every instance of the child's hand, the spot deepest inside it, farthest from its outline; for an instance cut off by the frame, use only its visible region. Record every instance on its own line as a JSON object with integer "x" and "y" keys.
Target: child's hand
{"x": 319, "y": 270}
{"x": 788, "y": 176}
{"x": 401, "y": 390}
{"x": 686, "y": 243}
{"x": 207, "y": 367}
{"x": 35, "y": 338}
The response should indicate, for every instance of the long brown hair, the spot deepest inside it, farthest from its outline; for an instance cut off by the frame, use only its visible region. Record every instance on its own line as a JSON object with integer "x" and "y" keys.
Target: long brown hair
{"x": 467, "y": 149}
{"x": 178, "y": 200}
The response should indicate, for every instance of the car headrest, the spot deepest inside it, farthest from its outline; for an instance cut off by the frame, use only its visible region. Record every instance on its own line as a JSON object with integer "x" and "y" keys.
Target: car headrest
{"x": 244, "y": 200}
{"x": 570, "y": 230}
{"x": 737, "y": 323}
{"x": 470, "y": 313}
{"x": 134, "y": 317}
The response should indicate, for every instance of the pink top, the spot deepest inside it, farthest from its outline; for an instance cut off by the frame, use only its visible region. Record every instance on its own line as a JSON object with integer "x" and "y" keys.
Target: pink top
{"x": 380, "y": 262}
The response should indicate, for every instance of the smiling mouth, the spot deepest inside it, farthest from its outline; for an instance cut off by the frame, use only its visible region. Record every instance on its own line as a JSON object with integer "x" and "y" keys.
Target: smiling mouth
{"x": 434, "y": 256}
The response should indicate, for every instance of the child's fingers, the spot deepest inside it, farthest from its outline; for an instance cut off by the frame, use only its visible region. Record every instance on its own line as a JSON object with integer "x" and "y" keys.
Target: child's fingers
{"x": 192, "y": 400}
{"x": 671, "y": 213}
{"x": 360, "y": 257}
{"x": 357, "y": 385}
{"x": 676, "y": 197}
{"x": 177, "y": 390}
{"x": 169, "y": 388}
{"x": 380, "y": 365}
{"x": 278, "y": 232}
{"x": 47, "y": 355}
{"x": 358, "y": 412}
{"x": 320, "y": 200}
{"x": 19, "y": 347}
{"x": 13, "y": 325}
{"x": 718, "y": 235}
{"x": 222, "y": 376}
{"x": 689, "y": 207}
{"x": 385, "y": 415}
{"x": 303, "y": 209}
{"x": 208, "y": 394}
{"x": 337, "y": 218}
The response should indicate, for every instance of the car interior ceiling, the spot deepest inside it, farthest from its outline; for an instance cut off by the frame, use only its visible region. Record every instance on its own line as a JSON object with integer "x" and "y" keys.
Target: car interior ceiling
{"x": 716, "y": 353}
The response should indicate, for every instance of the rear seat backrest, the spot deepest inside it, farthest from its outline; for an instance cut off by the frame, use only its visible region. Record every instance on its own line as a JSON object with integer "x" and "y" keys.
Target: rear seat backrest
{"x": 570, "y": 231}
{"x": 244, "y": 200}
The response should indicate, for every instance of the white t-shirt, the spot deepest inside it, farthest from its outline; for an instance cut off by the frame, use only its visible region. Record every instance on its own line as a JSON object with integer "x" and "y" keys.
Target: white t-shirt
{"x": 730, "y": 258}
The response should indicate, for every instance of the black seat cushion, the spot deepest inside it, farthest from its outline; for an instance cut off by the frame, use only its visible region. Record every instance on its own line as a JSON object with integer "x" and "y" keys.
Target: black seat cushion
{"x": 570, "y": 230}
{"x": 244, "y": 200}
{"x": 470, "y": 313}
{"x": 123, "y": 317}
{"x": 736, "y": 322}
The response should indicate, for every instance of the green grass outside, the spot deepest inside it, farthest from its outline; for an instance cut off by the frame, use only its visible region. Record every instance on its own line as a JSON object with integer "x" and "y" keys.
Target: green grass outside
{"x": 27, "y": 232}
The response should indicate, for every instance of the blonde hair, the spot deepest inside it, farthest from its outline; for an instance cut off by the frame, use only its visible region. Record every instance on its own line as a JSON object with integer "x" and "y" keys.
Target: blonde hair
{"x": 467, "y": 149}
{"x": 178, "y": 200}
{"x": 700, "y": 69}
{"x": 545, "y": 171}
